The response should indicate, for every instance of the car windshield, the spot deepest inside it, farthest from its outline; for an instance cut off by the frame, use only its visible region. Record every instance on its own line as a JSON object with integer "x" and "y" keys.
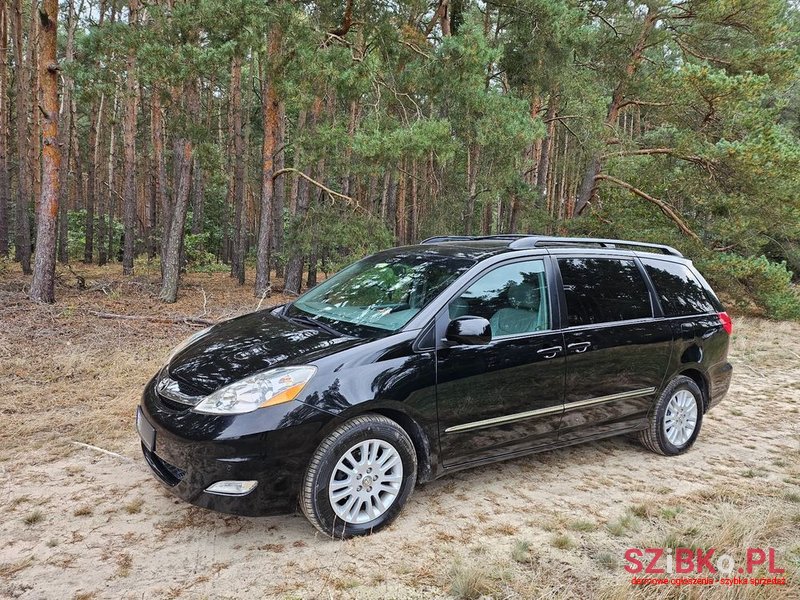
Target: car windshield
{"x": 378, "y": 295}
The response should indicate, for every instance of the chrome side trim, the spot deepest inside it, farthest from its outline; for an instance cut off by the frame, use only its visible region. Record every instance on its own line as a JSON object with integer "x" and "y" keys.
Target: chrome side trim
{"x": 506, "y": 419}
{"x": 548, "y": 411}
{"x": 610, "y": 398}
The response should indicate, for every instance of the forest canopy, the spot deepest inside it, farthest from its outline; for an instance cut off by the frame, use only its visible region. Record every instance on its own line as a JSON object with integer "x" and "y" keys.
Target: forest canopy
{"x": 289, "y": 138}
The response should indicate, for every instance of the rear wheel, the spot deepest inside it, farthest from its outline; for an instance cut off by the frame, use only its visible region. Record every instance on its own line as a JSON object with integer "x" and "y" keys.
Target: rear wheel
{"x": 359, "y": 477}
{"x": 676, "y": 418}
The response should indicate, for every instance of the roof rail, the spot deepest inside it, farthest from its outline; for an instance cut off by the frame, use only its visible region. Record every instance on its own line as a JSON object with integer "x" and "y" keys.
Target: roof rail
{"x": 523, "y": 241}
{"x": 472, "y": 238}
{"x": 537, "y": 241}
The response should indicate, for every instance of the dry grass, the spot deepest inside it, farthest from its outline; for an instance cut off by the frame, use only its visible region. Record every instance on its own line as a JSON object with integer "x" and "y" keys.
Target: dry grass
{"x": 34, "y": 517}
{"x": 134, "y": 506}
{"x": 582, "y": 525}
{"x": 554, "y": 525}
{"x": 521, "y": 552}
{"x": 11, "y": 569}
{"x": 470, "y": 582}
{"x": 562, "y": 541}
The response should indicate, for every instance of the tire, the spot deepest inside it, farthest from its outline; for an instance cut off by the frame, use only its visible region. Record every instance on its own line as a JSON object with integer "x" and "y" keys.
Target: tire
{"x": 334, "y": 497}
{"x": 667, "y": 432}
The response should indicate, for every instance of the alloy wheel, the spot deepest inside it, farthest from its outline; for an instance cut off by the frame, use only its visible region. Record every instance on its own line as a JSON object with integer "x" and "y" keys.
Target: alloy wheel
{"x": 680, "y": 418}
{"x": 365, "y": 481}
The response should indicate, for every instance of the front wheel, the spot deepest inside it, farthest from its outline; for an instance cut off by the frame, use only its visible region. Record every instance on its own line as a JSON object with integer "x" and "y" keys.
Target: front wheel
{"x": 676, "y": 418}
{"x": 359, "y": 477}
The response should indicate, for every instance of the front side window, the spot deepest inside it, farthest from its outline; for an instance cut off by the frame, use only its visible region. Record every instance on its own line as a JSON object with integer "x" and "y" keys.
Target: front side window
{"x": 512, "y": 297}
{"x": 678, "y": 289}
{"x": 603, "y": 290}
{"x": 380, "y": 294}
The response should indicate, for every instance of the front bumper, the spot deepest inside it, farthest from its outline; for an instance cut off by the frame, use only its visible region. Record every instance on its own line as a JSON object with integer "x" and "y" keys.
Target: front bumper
{"x": 271, "y": 446}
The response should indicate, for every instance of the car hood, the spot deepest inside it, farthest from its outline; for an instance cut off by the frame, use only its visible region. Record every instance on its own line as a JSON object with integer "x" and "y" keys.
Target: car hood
{"x": 255, "y": 342}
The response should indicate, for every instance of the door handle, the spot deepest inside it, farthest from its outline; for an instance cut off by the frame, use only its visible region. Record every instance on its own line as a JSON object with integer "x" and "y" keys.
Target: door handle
{"x": 579, "y": 346}
{"x": 551, "y": 352}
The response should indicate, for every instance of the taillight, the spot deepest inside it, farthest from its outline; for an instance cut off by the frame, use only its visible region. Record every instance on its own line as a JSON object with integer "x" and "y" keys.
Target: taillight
{"x": 727, "y": 324}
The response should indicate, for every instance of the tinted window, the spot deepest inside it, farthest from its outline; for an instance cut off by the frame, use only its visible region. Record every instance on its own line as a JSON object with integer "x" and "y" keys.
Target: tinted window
{"x": 678, "y": 290}
{"x": 601, "y": 290}
{"x": 513, "y": 297}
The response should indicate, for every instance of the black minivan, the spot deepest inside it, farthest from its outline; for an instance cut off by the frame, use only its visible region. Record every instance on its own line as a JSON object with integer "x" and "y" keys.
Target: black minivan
{"x": 423, "y": 360}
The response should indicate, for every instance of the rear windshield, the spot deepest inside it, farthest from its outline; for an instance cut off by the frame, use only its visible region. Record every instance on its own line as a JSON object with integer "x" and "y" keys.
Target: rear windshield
{"x": 678, "y": 290}
{"x": 380, "y": 294}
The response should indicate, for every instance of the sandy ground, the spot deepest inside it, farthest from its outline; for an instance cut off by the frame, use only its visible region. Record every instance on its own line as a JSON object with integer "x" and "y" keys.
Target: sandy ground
{"x": 80, "y": 523}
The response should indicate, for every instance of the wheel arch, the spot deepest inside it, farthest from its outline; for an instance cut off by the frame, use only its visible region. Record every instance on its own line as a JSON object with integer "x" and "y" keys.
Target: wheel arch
{"x": 423, "y": 444}
{"x": 702, "y": 382}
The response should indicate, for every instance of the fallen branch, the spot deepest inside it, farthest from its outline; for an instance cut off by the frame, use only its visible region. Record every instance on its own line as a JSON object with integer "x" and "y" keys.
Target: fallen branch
{"x": 665, "y": 208}
{"x": 81, "y": 279}
{"x": 313, "y": 182}
{"x": 644, "y": 103}
{"x": 103, "y": 451}
{"x": 179, "y": 320}
{"x": 705, "y": 162}
{"x": 759, "y": 373}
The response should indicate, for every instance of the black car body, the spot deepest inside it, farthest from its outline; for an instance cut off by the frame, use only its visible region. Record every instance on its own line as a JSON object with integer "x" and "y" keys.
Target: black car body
{"x": 588, "y": 336}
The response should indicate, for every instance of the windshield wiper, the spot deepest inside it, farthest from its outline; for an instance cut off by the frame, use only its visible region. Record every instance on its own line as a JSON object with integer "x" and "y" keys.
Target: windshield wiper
{"x": 314, "y": 323}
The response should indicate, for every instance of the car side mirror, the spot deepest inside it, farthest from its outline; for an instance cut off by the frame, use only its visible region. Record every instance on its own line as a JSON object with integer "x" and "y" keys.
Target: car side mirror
{"x": 469, "y": 330}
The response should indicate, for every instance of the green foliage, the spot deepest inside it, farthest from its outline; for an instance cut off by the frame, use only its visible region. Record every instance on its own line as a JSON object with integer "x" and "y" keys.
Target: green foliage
{"x": 76, "y": 234}
{"x": 465, "y": 118}
{"x": 749, "y": 281}
{"x": 336, "y": 241}
{"x": 198, "y": 257}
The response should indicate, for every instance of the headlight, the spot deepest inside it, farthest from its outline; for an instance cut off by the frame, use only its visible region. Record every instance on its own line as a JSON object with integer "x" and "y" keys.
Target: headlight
{"x": 185, "y": 343}
{"x": 268, "y": 388}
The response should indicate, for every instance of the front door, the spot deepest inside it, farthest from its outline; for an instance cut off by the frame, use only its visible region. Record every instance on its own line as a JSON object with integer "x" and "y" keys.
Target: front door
{"x": 507, "y": 395}
{"x": 616, "y": 352}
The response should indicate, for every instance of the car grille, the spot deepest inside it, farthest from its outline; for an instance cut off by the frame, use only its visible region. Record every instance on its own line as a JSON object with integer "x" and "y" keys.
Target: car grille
{"x": 167, "y": 472}
{"x": 176, "y": 395}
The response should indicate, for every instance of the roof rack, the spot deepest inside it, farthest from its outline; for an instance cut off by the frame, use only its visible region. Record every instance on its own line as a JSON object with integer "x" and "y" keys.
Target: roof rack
{"x": 437, "y": 239}
{"x": 522, "y": 242}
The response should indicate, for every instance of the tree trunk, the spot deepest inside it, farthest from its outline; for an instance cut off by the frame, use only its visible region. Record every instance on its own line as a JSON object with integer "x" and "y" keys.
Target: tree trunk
{"x": 22, "y": 94}
{"x": 347, "y": 179}
{"x": 160, "y": 168}
{"x": 172, "y": 252}
{"x": 513, "y": 214}
{"x": 91, "y": 173}
{"x": 42, "y": 286}
{"x": 5, "y": 176}
{"x": 279, "y": 192}
{"x": 105, "y": 209}
{"x": 237, "y": 262}
{"x": 129, "y": 141}
{"x": 152, "y": 213}
{"x": 414, "y": 221}
{"x": 270, "y": 114}
{"x": 34, "y": 114}
{"x": 294, "y": 266}
{"x": 593, "y": 168}
{"x": 65, "y": 126}
{"x": 400, "y": 222}
{"x": 543, "y": 168}
{"x": 473, "y": 156}
{"x": 198, "y": 198}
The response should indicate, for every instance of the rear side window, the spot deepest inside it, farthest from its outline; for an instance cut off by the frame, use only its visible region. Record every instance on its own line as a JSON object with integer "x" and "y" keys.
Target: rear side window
{"x": 678, "y": 289}
{"x": 603, "y": 290}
